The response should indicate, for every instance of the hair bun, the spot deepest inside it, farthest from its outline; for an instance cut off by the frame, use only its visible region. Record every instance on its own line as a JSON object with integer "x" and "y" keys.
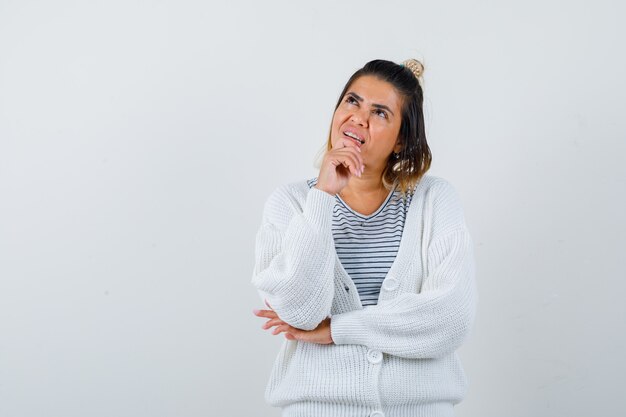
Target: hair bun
{"x": 416, "y": 67}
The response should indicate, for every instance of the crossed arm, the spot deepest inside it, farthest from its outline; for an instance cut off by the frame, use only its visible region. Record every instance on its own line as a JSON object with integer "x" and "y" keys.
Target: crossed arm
{"x": 428, "y": 324}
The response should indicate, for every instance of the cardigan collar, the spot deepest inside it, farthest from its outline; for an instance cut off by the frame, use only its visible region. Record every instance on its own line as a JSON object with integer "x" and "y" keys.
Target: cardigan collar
{"x": 407, "y": 251}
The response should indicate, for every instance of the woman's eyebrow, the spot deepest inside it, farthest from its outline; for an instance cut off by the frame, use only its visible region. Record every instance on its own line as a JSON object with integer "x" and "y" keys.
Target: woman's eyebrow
{"x": 360, "y": 99}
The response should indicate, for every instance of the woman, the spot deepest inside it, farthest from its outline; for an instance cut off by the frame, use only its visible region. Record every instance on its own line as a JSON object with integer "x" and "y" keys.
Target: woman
{"x": 368, "y": 268}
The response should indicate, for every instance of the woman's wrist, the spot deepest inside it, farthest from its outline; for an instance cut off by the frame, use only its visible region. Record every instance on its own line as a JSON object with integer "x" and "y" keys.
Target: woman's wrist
{"x": 322, "y": 189}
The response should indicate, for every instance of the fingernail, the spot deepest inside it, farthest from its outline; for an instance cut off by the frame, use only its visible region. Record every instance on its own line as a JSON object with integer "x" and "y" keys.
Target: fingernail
{"x": 255, "y": 310}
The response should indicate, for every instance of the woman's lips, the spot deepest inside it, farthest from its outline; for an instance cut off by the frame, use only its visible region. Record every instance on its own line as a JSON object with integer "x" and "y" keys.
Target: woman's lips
{"x": 358, "y": 142}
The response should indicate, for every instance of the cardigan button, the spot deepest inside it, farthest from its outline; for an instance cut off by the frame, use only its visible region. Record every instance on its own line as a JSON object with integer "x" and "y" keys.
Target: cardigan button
{"x": 377, "y": 414}
{"x": 374, "y": 356}
{"x": 390, "y": 284}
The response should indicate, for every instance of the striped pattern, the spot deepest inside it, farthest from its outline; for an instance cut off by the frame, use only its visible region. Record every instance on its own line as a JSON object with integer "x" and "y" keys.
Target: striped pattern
{"x": 367, "y": 245}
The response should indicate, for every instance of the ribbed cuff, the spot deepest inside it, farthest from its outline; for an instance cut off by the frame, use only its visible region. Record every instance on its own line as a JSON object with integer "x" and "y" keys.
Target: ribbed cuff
{"x": 326, "y": 409}
{"x": 348, "y": 328}
{"x": 318, "y": 209}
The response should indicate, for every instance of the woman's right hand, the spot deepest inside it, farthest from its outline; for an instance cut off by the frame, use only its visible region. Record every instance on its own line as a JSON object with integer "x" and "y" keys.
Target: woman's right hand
{"x": 338, "y": 166}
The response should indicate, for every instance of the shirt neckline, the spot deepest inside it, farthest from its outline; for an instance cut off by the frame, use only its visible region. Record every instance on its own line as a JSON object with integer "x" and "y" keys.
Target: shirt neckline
{"x": 378, "y": 210}
{"x": 404, "y": 257}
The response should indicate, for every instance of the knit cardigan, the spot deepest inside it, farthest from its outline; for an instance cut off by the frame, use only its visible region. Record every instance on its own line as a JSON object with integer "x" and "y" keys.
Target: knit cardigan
{"x": 393, "y": 359}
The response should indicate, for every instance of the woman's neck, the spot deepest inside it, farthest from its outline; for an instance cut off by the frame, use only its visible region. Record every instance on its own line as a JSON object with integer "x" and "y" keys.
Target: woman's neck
{"x": 365, "y": 187}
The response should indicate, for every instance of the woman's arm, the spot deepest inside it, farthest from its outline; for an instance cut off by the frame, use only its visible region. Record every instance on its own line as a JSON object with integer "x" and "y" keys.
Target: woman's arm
{"x": 435, "y": 321}
{"x": 295, "y": 258}
{"x": 430, "y": 324}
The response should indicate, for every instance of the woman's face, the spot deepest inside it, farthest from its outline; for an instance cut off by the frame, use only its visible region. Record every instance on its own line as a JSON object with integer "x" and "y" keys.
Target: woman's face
{"x": 370, "y": 109}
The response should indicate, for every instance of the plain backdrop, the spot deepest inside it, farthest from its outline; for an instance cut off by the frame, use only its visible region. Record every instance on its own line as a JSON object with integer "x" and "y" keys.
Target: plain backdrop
{"x": 140, "y": 139}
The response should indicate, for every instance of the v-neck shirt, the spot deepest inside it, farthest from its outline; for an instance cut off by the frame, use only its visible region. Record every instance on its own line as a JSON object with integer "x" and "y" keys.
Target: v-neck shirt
{"x": 367, "y": 245}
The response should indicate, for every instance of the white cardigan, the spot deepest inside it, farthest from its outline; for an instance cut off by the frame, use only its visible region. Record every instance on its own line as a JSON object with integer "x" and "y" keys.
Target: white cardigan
{"x": 393, "y": 359}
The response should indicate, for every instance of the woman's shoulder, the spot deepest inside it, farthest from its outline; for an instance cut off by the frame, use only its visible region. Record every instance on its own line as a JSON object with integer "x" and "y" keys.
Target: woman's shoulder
{"x": 288, "y": 198}
{"x": 436, "y": 189}
{"x": 444, "y": 207}
{"x": 295, "y": 191}
{"x": 429, "y": 183}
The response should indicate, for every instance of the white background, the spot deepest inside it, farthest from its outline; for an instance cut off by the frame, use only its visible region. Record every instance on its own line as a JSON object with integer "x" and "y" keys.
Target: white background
{"x": 139, "y": 140}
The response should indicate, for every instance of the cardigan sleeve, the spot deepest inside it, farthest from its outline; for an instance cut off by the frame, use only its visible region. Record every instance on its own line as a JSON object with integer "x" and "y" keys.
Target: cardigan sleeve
{"x": 429, "y": 324}
{"x": 434, "y": 320}
{"x": 294, "y": 257}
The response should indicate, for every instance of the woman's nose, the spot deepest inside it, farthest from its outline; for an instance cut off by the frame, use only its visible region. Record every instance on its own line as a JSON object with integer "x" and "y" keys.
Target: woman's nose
{"x": 360, "y": 117}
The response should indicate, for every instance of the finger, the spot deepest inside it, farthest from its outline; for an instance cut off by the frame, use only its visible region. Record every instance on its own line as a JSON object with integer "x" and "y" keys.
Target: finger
{"x": 350, "y": 146}
{"x": 353, "y": 165}
{"x": 266, "y": 313}
{"x": 350, "y": 143}
{"x": 272, "y": 322}
{"x": 353, "y": 150}
{"x": 280, "y": 329}
{"x": 349, "y": 161}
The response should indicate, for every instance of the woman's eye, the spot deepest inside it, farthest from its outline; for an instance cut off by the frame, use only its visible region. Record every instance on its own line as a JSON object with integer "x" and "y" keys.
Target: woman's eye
{"x": 382, "y": 113}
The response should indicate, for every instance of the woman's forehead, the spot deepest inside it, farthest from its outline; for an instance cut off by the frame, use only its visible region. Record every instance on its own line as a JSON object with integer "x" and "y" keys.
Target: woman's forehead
{"x": 375, "y": 91}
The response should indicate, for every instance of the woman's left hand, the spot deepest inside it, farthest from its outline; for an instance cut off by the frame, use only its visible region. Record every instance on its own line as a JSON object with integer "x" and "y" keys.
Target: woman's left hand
{"x": 321, "y": 334}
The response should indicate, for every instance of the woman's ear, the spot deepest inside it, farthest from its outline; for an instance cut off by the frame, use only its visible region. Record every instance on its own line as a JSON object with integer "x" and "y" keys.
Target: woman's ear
{"x": 398, "y": 146}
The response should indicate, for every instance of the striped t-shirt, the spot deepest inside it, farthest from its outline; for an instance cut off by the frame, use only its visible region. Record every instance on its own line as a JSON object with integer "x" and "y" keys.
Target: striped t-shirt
{"x": 367, "y": 245}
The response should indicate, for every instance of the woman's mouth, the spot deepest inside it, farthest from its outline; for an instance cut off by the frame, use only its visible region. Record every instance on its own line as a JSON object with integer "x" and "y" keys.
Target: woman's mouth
{"x": 356, "y": 140}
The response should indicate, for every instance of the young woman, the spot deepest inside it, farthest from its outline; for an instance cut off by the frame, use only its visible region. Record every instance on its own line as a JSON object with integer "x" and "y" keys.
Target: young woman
{"x": 368, "y": 268}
